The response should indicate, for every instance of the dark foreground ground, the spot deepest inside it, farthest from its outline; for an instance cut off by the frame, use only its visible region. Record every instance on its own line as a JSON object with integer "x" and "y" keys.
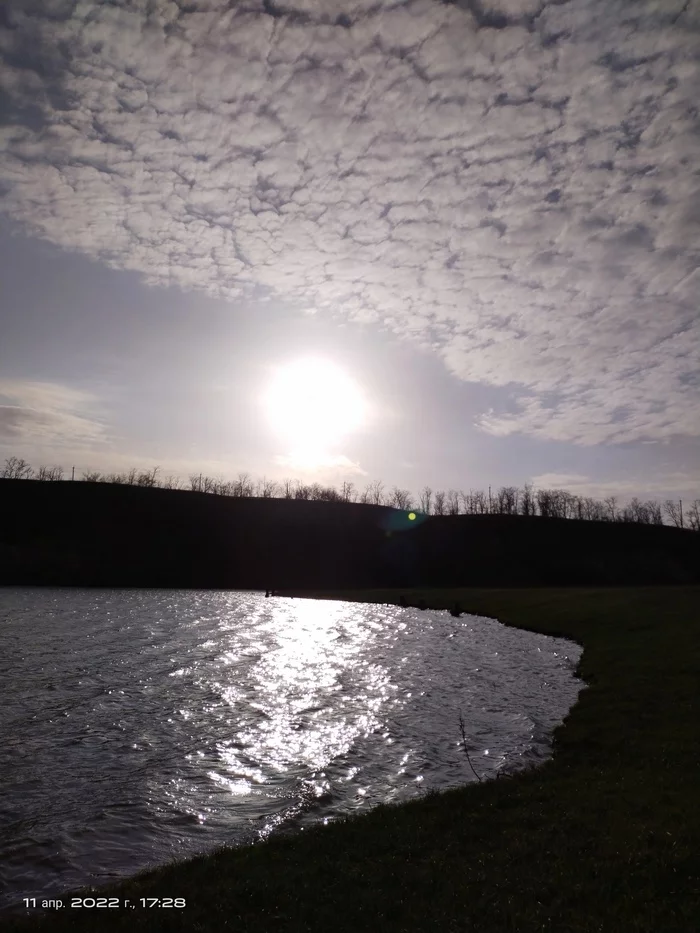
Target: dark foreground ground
{"x": 603, "y": 837}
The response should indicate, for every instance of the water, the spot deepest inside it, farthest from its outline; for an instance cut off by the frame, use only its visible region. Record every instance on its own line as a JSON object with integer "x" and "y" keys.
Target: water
{"x": 137, "y": 726}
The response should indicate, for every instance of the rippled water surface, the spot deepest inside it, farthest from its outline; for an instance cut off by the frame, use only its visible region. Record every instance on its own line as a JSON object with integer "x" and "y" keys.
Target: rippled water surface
{"x": 142, "y": 725}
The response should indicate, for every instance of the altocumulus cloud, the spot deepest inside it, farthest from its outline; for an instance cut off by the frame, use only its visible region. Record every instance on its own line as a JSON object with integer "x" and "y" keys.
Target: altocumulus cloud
{"x": 510, "y": 182}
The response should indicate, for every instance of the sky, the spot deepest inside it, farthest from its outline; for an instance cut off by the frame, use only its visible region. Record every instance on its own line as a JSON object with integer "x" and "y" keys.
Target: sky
{"x": 462, "y": 239}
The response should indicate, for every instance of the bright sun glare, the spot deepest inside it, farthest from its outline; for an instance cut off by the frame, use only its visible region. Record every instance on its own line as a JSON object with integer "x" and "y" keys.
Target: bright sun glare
{"x": 312, "y": 403}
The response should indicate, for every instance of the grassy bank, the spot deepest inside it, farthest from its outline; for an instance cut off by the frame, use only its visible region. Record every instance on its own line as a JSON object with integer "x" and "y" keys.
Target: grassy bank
{"x": 603, "y": 837}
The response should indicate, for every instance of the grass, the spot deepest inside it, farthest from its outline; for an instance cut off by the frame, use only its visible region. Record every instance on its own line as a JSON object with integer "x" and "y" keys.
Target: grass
{"x": 603, "y": 837}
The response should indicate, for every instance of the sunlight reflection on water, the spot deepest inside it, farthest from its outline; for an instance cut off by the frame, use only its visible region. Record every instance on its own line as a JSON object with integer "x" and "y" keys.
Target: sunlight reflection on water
{"x": 144, "y": 725}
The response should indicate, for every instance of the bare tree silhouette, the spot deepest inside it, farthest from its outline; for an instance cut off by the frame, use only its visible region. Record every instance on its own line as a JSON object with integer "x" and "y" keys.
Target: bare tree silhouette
{"x": 50, "y": 474}
{"x": 16, "y": 468}
{"x": 400, "y": 498}
{"x": 243, "y": 486}
{"x": 528, "y": 505}
{"x": 302, "y": 491}
{"x": 148, "y": 477}
{"x": 172, "y": 482}
{"x": 267, "y": 488}
{"x": 508, "y": 500}
{"x": 375, "y": 493}
{"x": 426, "y": 499}
{"x": 439, "y": 507}
{"x": 674, "y": 511}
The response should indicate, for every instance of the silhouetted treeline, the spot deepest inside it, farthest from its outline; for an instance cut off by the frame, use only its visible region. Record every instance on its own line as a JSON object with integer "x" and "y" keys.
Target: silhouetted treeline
{"x": 111, "y": 534}
{"x": 507, "y": 500}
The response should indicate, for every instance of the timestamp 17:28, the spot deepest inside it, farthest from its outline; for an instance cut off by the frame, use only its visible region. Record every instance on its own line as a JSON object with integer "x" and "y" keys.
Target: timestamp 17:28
{"x": 88, "y": 902}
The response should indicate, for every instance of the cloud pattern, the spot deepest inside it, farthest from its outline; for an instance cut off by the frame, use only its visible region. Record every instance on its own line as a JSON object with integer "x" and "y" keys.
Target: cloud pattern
{"x": 49, "y": 414}
{"x": 511, "y": 183}
{"x": 673, "y": 483}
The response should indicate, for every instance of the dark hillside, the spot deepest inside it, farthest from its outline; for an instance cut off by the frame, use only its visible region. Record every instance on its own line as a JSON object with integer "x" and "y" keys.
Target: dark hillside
{"x": 83, "y": 534}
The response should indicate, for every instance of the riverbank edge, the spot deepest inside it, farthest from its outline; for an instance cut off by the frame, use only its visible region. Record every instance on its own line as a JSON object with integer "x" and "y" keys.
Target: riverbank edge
{"x": 603, "y": 836}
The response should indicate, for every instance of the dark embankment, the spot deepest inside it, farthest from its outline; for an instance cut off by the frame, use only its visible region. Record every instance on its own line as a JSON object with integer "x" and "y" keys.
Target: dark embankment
{"x": 94, "y": 534}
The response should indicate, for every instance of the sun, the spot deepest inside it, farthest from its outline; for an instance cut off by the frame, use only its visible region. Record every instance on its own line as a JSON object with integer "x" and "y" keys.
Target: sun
{"x": 311, "y": 403}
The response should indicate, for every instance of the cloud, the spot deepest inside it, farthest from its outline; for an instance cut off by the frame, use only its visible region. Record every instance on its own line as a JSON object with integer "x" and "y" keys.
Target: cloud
{"x": 659, "y": 487}
{"x": 507, "y": 182}
{"x": 330, "y": 466}
{"x": 559, "y": 480}
{"x": 47, "y": 414}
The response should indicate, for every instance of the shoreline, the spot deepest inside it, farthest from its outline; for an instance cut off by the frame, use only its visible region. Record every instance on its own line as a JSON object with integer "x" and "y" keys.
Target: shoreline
{"x": 601, "y": 836}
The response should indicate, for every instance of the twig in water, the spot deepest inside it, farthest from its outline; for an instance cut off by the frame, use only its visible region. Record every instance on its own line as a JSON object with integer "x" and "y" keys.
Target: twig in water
{"x": 464, "y": 743}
